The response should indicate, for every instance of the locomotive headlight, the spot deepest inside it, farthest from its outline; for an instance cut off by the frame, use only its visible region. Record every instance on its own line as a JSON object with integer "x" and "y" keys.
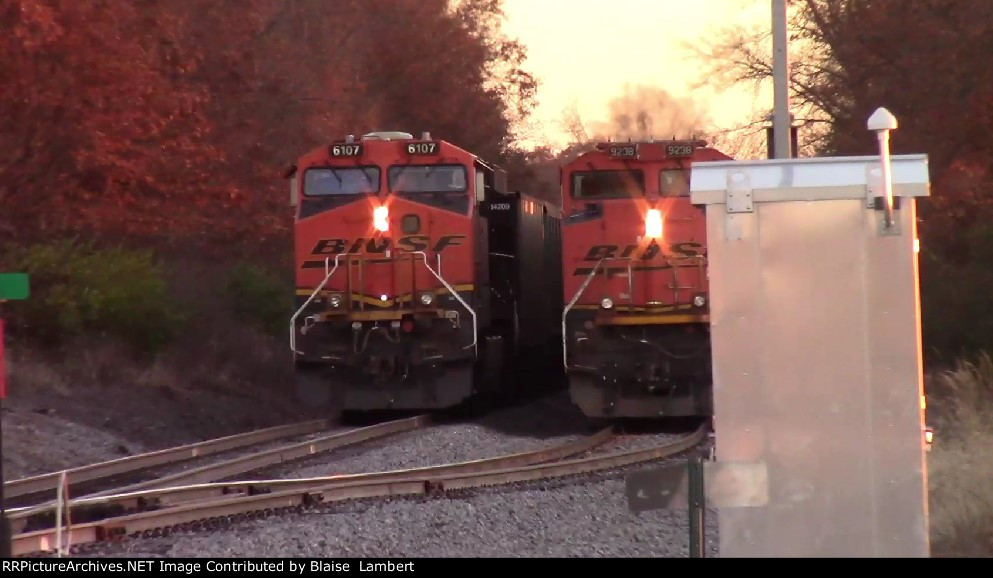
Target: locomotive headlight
{"x": 653, "y": 224}
{"x": 427, "y": 299}
{"x": 607, "y": 303}
{"x": 335, "y": 300}
{"x": 380, "y": 218}
{"x": 700, "y": 300}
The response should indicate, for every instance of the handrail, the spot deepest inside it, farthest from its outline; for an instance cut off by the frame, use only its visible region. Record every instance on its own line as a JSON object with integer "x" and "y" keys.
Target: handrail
{"x": 565, "y": 312}
{"x": 331, "y": 272}
{"x": 327, "y": 276}
{"x": 456, "y": 295}
{"x": 593, "y": 271}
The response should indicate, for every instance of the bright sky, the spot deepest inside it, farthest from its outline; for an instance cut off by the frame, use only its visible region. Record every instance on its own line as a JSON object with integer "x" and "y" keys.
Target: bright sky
{"x": 583, "y": 51}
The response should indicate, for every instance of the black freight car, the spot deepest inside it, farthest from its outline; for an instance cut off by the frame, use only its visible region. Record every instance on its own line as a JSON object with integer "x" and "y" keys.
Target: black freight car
{"x": 525, "y": 277}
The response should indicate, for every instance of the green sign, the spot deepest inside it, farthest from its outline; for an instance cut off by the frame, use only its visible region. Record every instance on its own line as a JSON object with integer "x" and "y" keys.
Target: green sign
{"x": 14, "y": 286}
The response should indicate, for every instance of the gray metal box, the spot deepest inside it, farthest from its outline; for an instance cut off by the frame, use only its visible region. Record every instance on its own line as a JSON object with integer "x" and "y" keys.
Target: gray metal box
{"x": 815, "y": 322}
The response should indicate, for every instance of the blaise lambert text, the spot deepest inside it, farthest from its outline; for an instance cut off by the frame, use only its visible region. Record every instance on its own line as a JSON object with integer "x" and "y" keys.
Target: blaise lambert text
{"x": 321, "y": 566}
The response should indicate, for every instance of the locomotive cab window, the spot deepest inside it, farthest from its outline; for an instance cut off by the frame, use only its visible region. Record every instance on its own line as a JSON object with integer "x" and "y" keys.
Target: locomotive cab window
{"x": 326, "y": 181}
{"x": 674, "y": 182}
{"x": 608, "y": 184}
{"x": 428, "y": 179}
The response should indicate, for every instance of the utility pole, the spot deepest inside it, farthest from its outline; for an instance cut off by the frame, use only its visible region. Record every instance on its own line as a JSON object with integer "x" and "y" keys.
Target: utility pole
{"x": 780, "y": 80}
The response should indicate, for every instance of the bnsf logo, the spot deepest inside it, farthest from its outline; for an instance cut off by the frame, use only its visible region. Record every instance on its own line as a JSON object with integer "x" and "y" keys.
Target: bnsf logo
{"x": 332, "y": 247}
{"x": 676, "y": 251}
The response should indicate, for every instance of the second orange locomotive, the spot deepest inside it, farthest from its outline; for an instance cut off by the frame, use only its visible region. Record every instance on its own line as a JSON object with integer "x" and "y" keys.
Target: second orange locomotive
{"x": 636, "y": 330}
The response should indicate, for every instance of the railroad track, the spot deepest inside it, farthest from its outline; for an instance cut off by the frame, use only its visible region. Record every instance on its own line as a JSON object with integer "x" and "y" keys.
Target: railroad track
{"x": 266, "y": 458}
{"x": 168, "y": 510}
{"x": 49, "y": 482}
{"x": 246, "y": 463}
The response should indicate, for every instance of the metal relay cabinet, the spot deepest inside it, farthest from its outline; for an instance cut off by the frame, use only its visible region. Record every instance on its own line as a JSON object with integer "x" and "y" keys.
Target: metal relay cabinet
{"x": 817, "y": 357}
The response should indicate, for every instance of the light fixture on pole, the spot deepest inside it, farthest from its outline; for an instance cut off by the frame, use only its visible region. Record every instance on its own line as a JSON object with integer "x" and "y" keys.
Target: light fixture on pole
{"x": 882, "y": 122}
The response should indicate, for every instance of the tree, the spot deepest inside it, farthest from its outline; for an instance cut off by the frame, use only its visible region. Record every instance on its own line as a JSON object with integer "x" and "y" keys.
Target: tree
{"x": 928, "y": 65}
{"x": 642, "y": 111}
{"x": 448, "y": 72}
{"x": 172, "y": 120}
{"x": 91, "y": 122}
{"x": 637, "y": 112}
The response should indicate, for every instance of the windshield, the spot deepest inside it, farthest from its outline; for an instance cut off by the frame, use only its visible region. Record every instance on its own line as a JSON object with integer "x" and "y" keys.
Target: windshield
{"x": 674, "y": 182}
{"x": 341, "y": 181}
{"x": 608, "y": 184}
{"x": 427, "y": 178}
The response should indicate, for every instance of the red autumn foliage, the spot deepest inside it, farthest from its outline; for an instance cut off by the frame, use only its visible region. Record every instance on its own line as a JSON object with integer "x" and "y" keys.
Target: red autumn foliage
{"x": 930, "y": 67}
{"x": 171, "y": 120}
{"x": 92, "y": 126}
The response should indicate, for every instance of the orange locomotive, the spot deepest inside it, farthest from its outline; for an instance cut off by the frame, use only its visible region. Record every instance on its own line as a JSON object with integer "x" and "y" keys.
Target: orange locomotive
{"x": 636, "y": 339}
{"x": 420, "y": 279}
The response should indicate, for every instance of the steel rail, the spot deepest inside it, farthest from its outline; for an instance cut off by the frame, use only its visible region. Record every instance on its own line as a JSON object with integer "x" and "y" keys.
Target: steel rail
{"x": 217, "y": 511}
{"x": 50, "y": 481}
{"x": 171, "y": 496}
{"x": 275, "y": 456}
{"x": 250, "y": 462}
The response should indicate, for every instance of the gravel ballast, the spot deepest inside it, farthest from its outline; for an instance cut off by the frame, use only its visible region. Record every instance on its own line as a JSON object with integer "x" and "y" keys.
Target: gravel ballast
{"x": 578, "y": 516}
{"x": 542, "y": 424}
{"x": 582, "y": 517}
{"x": 36, "y": 443}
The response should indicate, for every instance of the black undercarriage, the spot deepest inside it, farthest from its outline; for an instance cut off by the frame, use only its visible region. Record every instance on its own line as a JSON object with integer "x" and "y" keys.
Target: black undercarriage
{"x": 408, "y": 363}
{"x": 640, "y": 370}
